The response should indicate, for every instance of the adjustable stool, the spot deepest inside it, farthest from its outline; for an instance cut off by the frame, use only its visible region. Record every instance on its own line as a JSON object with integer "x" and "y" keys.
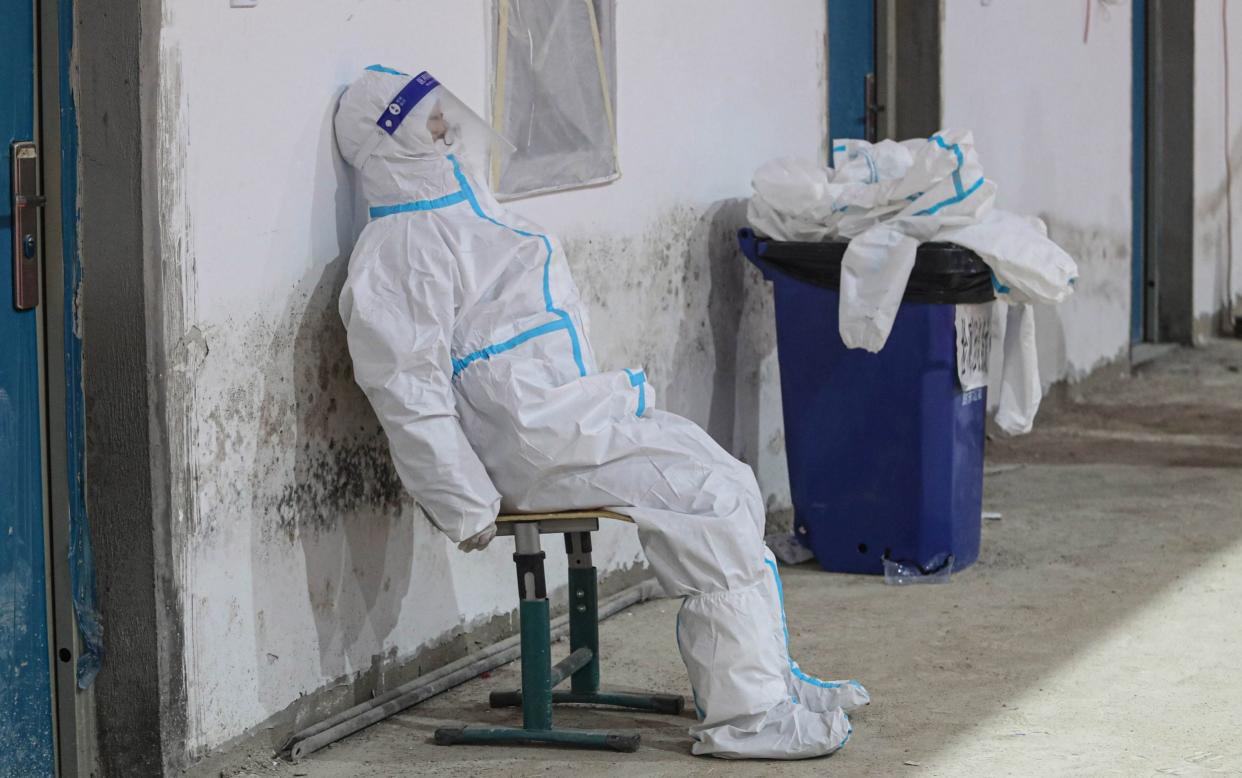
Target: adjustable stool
{"x": 539, "y": 675}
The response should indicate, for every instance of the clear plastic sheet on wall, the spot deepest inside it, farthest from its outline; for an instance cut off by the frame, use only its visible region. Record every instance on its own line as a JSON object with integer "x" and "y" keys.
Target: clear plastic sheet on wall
{"x": 553, "y": 98}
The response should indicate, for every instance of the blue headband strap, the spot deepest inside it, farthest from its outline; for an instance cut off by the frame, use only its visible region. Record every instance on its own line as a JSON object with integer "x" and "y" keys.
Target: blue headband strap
{"x": 405, "y": 101}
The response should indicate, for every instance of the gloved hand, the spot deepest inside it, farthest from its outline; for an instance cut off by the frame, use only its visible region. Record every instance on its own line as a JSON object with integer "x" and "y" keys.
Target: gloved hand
{"x": 478, "y": 541}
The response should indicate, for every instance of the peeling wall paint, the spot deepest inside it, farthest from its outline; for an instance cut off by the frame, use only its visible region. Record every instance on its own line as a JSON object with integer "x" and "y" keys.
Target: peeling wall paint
{"x": 300, "y": 565}
{"x": 172, "y": 275}
{"x": 1091, "y": 329}
{"x": 1051, "y": 118}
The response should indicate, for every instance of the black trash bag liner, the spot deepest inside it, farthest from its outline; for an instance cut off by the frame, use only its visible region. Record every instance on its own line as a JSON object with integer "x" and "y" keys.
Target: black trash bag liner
{"x": 944, "y": 273}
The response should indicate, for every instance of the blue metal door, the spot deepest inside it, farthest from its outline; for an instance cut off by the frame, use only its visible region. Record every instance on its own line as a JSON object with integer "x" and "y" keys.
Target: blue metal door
{"x": 851, "y": 69}
{"x": 26, "y": 730}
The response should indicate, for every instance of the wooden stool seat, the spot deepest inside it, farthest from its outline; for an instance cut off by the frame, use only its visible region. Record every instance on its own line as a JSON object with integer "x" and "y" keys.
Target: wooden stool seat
{"x": 597, "y": 513}
{"x": 562, "y": 522}
{"x": 581, "y": 667}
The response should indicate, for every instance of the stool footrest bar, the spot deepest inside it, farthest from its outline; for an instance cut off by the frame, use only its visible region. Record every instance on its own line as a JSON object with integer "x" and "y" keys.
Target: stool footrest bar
{"x": 571, "y": 664}
{"x": 584, "y": 738}
{"x": 671, "y": 704}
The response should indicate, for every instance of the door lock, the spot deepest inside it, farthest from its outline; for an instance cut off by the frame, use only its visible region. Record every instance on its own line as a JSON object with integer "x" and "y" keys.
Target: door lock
{"x": 27, "y": 203}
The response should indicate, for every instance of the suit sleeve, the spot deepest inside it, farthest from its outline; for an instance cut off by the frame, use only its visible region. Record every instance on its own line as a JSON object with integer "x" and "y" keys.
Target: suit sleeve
{"x": 398, "y": 313}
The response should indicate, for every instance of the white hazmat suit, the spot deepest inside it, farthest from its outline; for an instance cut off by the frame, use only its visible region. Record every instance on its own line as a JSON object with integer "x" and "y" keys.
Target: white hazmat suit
{"x": 468, "y": 336}
{"x": 888, "y": 197}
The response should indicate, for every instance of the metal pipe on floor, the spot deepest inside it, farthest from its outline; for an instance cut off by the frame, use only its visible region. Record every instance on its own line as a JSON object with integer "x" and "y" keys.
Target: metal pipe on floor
{"x": 423, "y": 680}
{"x": 347, "y": 722}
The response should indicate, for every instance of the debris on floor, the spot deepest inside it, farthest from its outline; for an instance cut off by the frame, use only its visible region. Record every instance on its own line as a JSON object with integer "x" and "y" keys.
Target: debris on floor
{"x": 788, "y": 548}
{"x": 898, "y": 572}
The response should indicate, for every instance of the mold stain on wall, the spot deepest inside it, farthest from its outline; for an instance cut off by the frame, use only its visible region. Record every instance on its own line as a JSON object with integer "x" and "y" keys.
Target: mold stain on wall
{"x": 1217, "y": 269}
{"x": 1090, "y": 329}
{"x": 284, "y": 428}
{"x": 291, "y": 463}
{"x": 680, "y": 301}
{"x": 1214, "y": 260}
{"x": 172, "y": 277}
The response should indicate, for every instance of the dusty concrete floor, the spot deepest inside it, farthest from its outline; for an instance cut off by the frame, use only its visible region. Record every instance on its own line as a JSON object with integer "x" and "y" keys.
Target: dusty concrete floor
{"x": 1099, "y": 634}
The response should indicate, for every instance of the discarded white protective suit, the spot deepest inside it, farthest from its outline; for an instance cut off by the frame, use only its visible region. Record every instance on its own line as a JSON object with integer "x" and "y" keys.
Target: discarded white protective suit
{"x": 469, "y": 338}
{"x": 889, "y": 197}
{"x": 1020, "y": 388}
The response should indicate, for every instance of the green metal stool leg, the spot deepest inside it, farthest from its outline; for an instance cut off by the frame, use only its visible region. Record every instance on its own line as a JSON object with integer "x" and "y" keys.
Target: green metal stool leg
{"x": 536, "y": 631}
{"x": 583, "y": 610}
{"x": 539, "y": 676}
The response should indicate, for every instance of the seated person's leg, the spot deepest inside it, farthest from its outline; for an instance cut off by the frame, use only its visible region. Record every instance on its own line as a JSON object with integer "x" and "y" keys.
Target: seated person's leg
{"x": 700, "y": 519}
{"x": 815, "y": 693}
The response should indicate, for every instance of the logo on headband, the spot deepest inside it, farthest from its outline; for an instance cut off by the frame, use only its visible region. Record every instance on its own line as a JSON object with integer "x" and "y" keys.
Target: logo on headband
{"x": 406, "y": 99}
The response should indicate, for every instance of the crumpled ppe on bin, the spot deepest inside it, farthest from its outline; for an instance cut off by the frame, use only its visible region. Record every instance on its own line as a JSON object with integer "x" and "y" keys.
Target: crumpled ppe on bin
{"x": 888, "y": 197}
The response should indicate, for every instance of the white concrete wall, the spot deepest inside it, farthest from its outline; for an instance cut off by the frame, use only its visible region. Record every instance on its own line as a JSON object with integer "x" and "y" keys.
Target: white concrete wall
{"x": 1051, "y": 118}
{"x": 1212, "y": 277}
{"x": 300, "y": 563}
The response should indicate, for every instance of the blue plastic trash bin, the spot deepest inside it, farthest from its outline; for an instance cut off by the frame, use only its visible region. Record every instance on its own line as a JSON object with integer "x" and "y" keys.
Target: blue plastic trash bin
{"x": 885, "y": 450}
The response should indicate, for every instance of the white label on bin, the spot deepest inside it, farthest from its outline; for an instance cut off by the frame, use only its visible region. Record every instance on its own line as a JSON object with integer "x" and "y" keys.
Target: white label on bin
{"x": 974, "y": 343}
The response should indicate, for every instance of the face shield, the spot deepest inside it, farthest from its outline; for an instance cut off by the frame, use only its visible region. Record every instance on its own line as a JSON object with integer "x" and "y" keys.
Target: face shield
{"x": 425, "y": 118}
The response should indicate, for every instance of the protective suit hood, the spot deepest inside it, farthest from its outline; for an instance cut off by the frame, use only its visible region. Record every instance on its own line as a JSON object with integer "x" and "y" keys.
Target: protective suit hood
{"x": 397, "y": 130}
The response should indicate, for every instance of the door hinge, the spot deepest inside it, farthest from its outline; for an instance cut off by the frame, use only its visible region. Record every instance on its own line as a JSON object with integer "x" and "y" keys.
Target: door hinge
{"x": 27, "y": 207}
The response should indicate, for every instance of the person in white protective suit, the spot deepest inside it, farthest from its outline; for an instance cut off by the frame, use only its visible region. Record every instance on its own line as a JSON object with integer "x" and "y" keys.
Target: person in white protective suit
{"x": 468, "y": 336}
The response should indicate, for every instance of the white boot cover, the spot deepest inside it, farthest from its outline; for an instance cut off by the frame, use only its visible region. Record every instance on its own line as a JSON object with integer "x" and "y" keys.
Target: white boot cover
{"x": 738, "y": 672}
